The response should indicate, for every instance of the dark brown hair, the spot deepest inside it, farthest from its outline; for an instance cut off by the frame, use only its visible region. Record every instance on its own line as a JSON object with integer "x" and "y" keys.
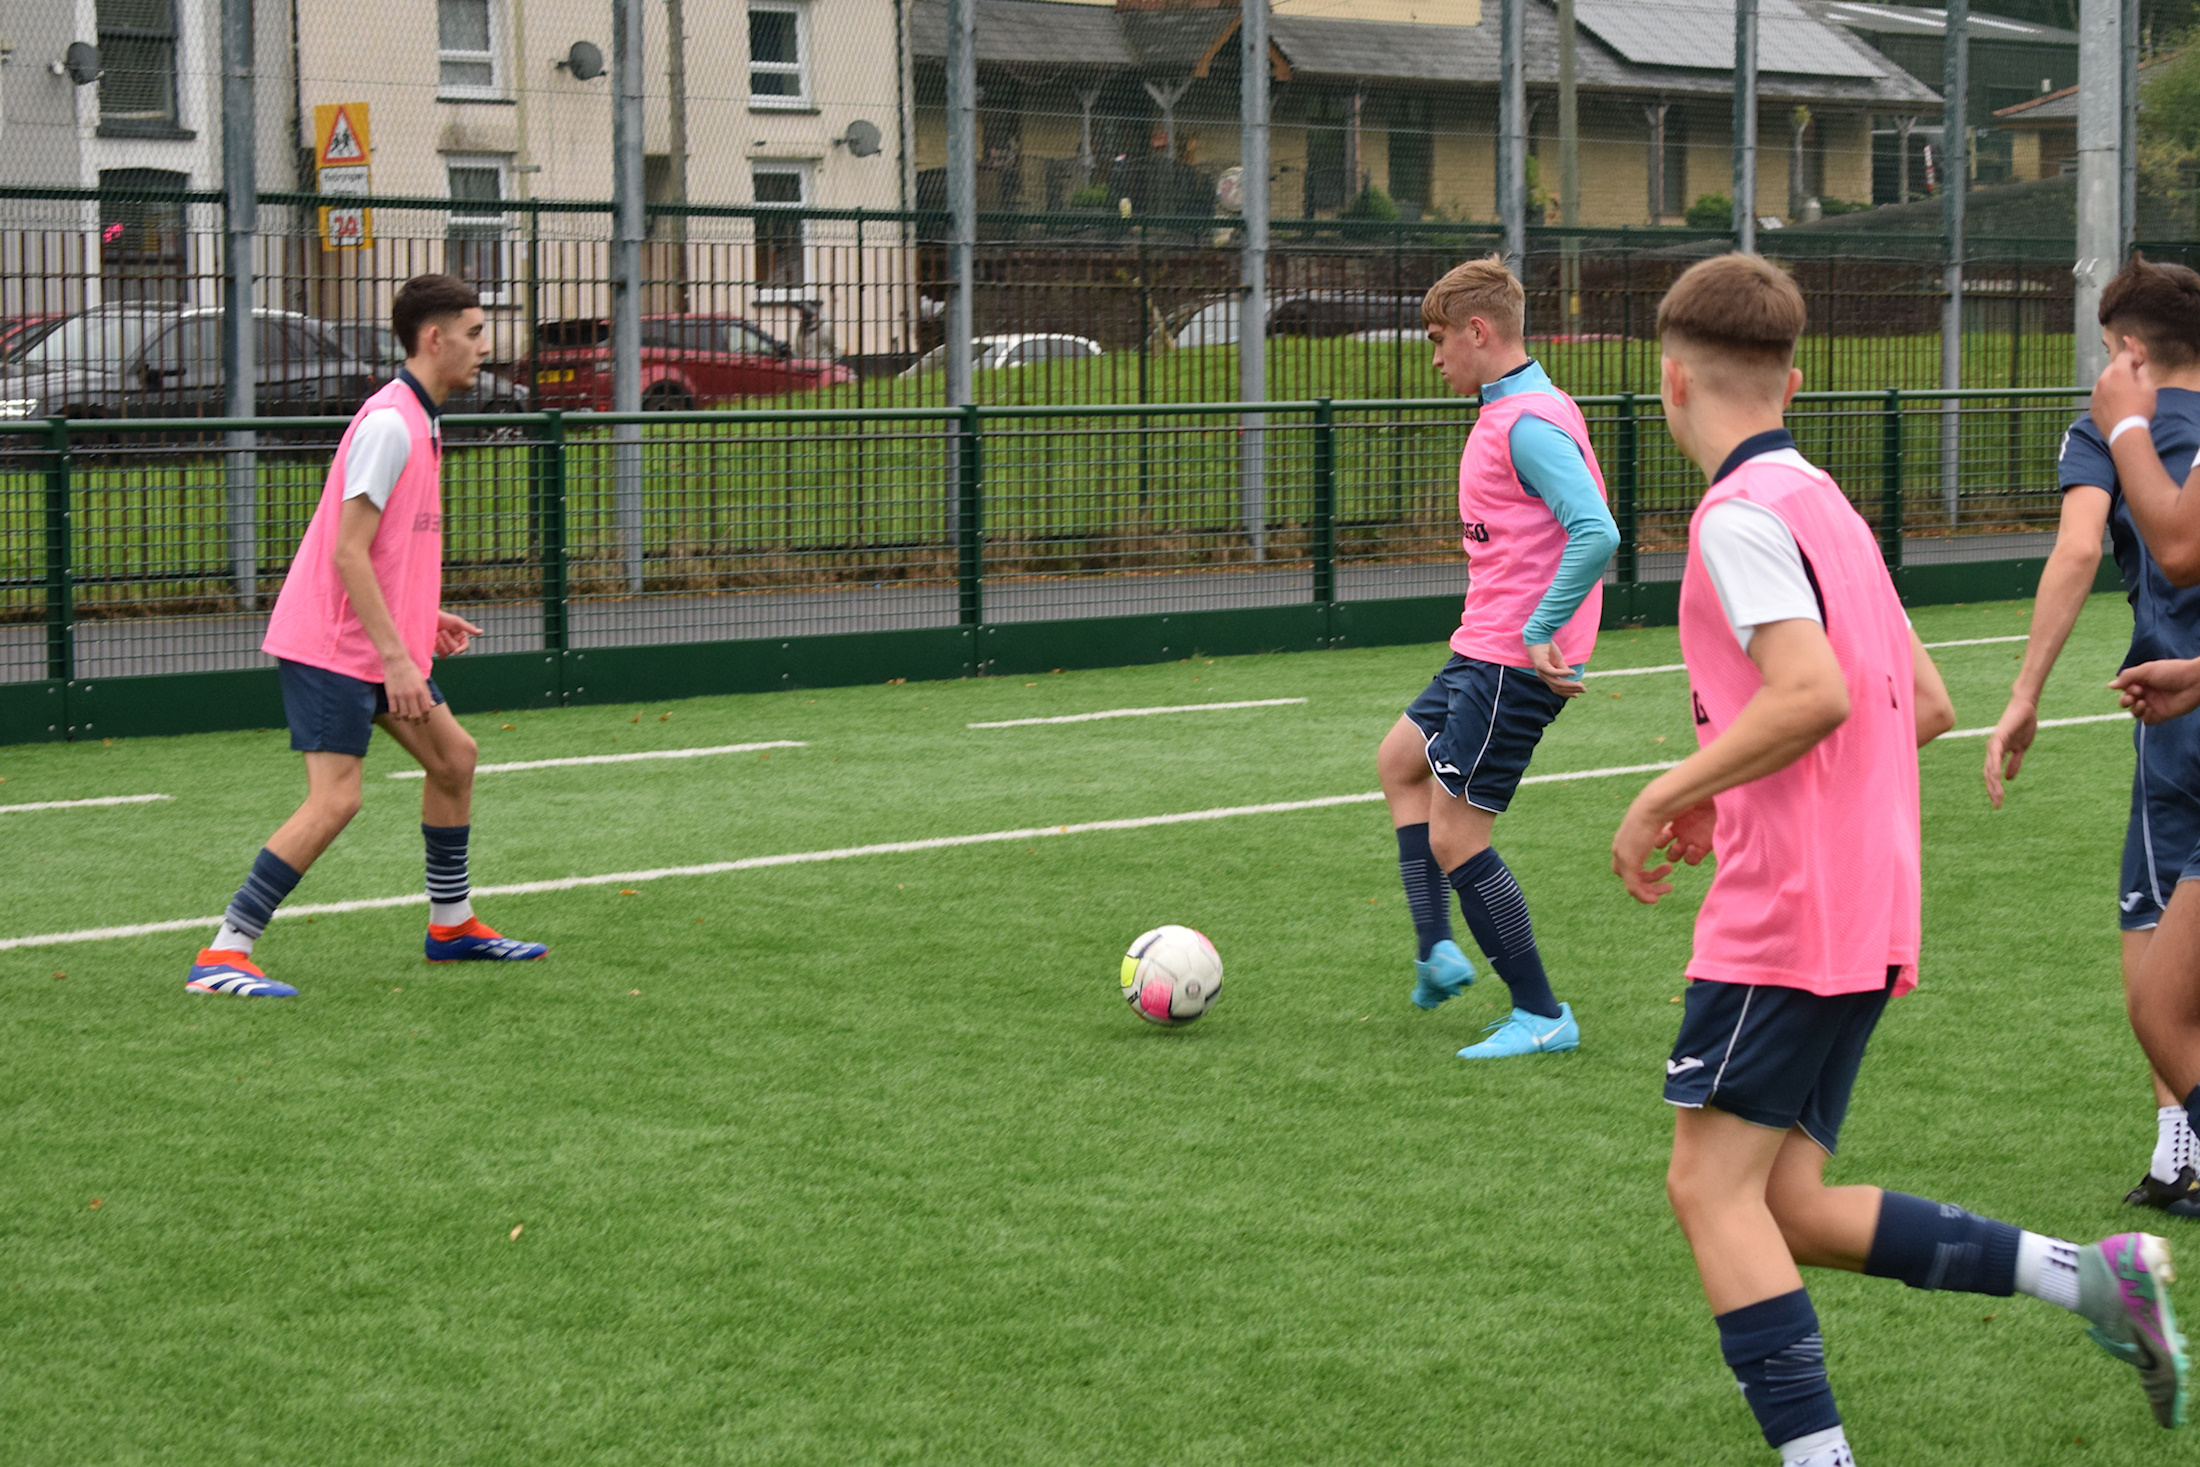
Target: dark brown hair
{"x": 1482, "y": 288}
{"x": 1739, "y": 306}
{"x": 2159, "y": 304}
{"x": 426, "y": 298}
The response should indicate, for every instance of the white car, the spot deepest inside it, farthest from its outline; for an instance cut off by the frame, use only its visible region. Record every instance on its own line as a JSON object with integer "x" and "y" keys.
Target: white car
{"x": 1020, "y": 349}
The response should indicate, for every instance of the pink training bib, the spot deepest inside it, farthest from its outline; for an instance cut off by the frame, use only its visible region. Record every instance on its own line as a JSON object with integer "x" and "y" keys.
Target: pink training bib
{"x": 1818, "y": 883}
{"x": 313, "y": 621}
{"x": 1513, "y": 541}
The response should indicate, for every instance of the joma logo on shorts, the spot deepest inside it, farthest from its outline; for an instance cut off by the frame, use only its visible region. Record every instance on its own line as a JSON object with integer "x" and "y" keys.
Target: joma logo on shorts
{"x": 425, "y": 522}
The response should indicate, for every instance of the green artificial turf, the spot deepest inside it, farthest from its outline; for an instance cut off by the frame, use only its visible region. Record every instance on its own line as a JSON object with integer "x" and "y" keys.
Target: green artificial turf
{"x": 866, "y": 1161}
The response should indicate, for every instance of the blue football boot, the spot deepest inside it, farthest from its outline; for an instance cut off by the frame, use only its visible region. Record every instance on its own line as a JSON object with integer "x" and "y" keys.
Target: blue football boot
{"x": 473, "y": 941}
{"x": 225, "y": 970}
{"x": 1521, "y": 1032}
{"x": 1441, "y": 975}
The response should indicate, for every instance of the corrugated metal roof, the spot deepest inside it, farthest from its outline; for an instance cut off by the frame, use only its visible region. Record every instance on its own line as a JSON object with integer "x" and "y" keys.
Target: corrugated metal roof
{"x": 1919, "y": 20}
{"x": 1700, "y": 33}
{"x": 1048, "y": 32}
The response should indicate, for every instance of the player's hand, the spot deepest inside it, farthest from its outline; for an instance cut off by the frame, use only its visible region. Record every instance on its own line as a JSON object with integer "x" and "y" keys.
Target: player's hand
{"x": 2124, "y": 390}
{"x": 2158, "y": 691}
{"x": 453, "y": 634}
{"x": 407, "y": 692}
{"x": 2007, "y": 745}
{"x": 1640, "y": 834}
{"x": 1687, "y": 836}
{"x": 1552, "y": 668}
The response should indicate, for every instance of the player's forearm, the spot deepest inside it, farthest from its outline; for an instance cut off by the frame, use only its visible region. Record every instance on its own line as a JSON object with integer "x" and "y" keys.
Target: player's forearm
{"x": 2064, "y": 584}
{"x": 356, "y": 571}
{"x": 1774, "y": 729}
{"x": 2168, "y": 518}
{"x": 1589, "y": 546}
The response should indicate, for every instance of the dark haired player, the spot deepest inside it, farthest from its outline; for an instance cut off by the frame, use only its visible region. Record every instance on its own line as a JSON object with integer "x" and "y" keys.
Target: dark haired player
{"x": 1808, "y": 685}
{"x": 353, "y": 632}
{"x": 2157, "y": 308}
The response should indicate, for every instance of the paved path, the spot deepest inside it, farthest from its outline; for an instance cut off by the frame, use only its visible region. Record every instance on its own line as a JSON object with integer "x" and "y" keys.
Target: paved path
{"x": 132, "y": 646}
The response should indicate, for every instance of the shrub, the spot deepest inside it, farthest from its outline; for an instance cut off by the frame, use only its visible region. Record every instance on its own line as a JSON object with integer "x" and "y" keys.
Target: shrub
{"x": 1711, "y": 211}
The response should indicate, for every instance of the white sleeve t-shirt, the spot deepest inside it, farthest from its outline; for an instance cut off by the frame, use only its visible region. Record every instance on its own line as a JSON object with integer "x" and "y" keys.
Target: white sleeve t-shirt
{"x": 379, "y": 448}
{"x": 1756, "y": 567}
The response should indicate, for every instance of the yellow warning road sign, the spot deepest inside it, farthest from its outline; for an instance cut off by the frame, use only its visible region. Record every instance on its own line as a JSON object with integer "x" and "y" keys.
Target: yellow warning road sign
{"x": 339, "y": 134}
{"x": 342, "y": 170}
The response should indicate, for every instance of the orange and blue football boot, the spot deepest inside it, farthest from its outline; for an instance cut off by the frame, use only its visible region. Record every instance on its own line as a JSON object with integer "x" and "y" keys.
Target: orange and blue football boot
{"x": 472, "y": 941}
{"x": 225, "y": 970}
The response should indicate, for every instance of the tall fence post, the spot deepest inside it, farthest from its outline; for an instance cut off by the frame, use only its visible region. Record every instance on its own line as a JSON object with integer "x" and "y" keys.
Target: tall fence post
{"x": 240, "y": 344}
{"x": 1325, "y": 501}
{"x": 969, "y": 495}
{"x": 1890, "y": 479}
{"x": 1626, "y": 562}
{"x": 627, "y": 228}
{"x": 1955, "y": 185}
{"x": 550, "y": 529}
{"x": 60, "y": 588}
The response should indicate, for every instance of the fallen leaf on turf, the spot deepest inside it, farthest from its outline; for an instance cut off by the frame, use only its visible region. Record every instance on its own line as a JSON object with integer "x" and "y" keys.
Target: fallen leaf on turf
{"x": 633, "y": 993}
{"x": 1661, "y": 738}
{"x": 637, "y": 718}
{"x": 1031, "y": 685}
{"x": 61, "y": 975}
{"x": 664, "y": 718}
{"x": 1615, "y": 697}
{"x": 508, "y": 725}
{"x": 95, "y": 1204}
{"x": 628, "y": 891}
{"x": 517, "y": 1230}
{"x": 399, "y": 989}
{"x": 895, "y": 682}
{"x": 1676, "y": 998}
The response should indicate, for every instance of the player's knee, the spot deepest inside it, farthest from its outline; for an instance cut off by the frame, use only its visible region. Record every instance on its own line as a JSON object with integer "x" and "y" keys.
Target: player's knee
{"x": 336, "y": 806}
{"x": 455, "y": 761}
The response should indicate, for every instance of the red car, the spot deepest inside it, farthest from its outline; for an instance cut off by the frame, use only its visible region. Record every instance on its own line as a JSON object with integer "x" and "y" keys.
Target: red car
{"x": 687, "y": 362}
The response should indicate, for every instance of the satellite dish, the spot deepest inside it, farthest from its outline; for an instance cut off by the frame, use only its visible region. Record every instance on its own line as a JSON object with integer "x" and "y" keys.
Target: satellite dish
{"x": 584, "y": 61}
{"x": 862, "y": 138}
{"x": 81, "y": 62}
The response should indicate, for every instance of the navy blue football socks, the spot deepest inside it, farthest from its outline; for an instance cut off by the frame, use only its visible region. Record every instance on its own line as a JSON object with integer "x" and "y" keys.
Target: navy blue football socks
{"x": 1497, "y": 915}
{"x": 253, "y": 907}
{"x": 1936, "y": 1245}
{"x": 1428, "y": 895}
{"x": 447, "y": 885}
{"x": 1779, "y": 1358}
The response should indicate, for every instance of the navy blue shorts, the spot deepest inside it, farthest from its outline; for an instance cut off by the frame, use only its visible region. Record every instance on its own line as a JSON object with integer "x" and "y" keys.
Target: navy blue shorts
{"x": 1481, "y": 722}
{"x": 330, "y": 712}
{"x": 2162, "y": 843}
{"x": 1777, "y": 1057}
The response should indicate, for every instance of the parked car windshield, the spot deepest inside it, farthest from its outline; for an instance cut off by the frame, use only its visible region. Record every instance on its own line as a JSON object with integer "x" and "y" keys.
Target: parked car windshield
{"x": 105, "y": 340}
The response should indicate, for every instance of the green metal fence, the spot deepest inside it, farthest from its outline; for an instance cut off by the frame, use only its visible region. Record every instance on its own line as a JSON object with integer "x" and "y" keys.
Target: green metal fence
{"x": 135, "y": 551}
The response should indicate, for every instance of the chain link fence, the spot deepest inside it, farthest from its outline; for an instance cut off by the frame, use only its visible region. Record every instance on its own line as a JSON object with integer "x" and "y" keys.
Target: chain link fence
{"x": 123, "y": 552}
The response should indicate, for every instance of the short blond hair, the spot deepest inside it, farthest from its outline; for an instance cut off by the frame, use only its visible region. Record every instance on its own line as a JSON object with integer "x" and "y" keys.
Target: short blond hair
{"x": 1482, "y": 288}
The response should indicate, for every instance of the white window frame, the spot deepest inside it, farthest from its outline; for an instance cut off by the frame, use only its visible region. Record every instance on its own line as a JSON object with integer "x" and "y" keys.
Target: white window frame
{"x": 503, "y": 292}
{"x": 799, "y": 70}
{"x": 767, "y": 293}
{"x": 493, "y": 58}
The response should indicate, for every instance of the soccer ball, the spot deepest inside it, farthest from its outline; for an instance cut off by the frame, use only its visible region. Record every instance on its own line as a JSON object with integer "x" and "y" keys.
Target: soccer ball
{"x": 1171, "y": 975}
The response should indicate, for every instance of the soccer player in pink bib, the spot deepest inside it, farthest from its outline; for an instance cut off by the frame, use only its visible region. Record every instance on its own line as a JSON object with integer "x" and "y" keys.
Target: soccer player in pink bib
{"x": 353, "y": 634}
{"x": 1811, "y": 697}
{"x": 1537, "y": 536}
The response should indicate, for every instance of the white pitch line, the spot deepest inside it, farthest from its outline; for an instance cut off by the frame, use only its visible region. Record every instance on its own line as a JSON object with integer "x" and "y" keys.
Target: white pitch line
{"x": 1138, "y": 712}
{"x": 793, "y": 858}
{"x": 614, "y": 758}
{"x": 80, "y": 804}
{"x": 1635, "y": 671}
{"x": 1980, "y": 733}
{"x": 1978, "y": 642}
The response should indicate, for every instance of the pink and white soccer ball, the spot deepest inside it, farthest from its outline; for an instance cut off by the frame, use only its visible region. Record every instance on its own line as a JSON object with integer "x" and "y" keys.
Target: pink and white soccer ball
{"x": 1171, "y": 975}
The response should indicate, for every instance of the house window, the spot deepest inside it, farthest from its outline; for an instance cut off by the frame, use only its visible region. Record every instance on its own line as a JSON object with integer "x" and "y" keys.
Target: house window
{"x": 137, "y": 82}
{"x": 142, "y": 246}
{"x": 779, "y": 54}
{"x": 465, "y": 48}
{"x": 1412, "y": 157}
{"x": 1673, "y": 175}
{"x": 475, "y": 245}
{"x": 778, "y": 240}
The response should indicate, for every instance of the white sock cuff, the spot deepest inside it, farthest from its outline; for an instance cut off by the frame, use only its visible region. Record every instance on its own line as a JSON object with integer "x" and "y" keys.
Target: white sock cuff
{"x": 2047, "y": 1269}
{"x": 229, "y": 939}
{"x": 1819, "y": 1446}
